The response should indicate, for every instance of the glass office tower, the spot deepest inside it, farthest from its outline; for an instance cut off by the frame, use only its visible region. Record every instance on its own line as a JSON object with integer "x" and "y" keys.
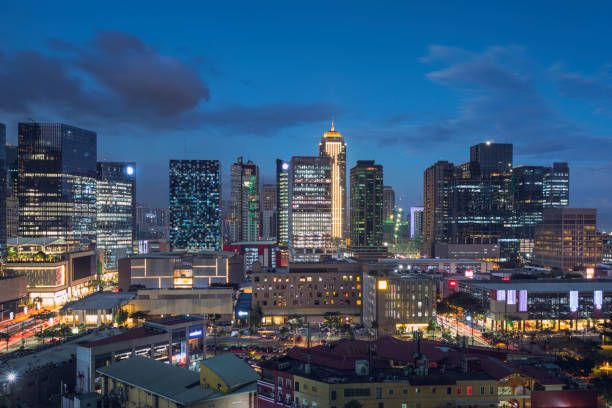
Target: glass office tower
{"x": 116, "y": 204}
{"x": 367, "y": 204}
{"x": 245, "y": 216}
{"x": 557, "y": 186}
{"x": 57, "y": 182}
{"x": 3, "y": 189}
{"x": 195, "y": 204}
{"x": 332, "y": 145}
{"x": 282, "y": 206}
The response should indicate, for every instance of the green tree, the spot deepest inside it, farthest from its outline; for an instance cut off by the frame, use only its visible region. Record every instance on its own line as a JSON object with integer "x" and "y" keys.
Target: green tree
{"x": 331, "y": 319}
{"x": 121, "y": 317}
{"x": 603, "y": 385}
{"x": 6, "y": 337}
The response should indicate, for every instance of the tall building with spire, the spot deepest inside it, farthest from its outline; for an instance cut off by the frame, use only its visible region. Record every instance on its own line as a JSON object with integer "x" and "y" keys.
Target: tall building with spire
{"x": 333, "y": 146}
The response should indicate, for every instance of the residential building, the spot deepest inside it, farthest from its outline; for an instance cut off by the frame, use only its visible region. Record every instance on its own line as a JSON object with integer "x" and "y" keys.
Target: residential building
{"x": 437, "y": 181}
{"x": 568, "y": 239}
{"x": 195, "y": 206}
{"x": 269, "y": 211}
{"x": 367, "y": 206}
{"x": 398, "y": 304}
{"x": 557, "y": 186}
{"x": 245, "y": 222}
{"x": 310, "y": 290}
{"x": 116, "y": 211}
{"x": 224, "y": 381}
{"x": 332, "y": 145}
{"x": 181, "y": 270}
{"x": 310, "y": 206}
{"x": 416, "y": 222}
{"x": 57, "y": 182}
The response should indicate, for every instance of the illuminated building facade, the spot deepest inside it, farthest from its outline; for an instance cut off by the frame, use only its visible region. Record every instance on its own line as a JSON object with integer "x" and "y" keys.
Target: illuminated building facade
{"x": 437, "y": 181}
{"x": 568, "y": 239}
{"x": 245, "y": 212}
{"x": 416, "y": 222}
{"x": 282, "y": 203}
{"x": 556, "y": 186}
{"x": 195, "y": 204}
{"x": 3, "y": 189}
{"x": 57, "y": 182}
{"x": 311, "y": 205}
{"x": 528, "y": 197}
{"x": 116, "y": 203}
{"x": 332, "y": 145}
{"x": 366, "y": 205}
{"x": 269, "y": 212}
{"x": 389, "y": 200}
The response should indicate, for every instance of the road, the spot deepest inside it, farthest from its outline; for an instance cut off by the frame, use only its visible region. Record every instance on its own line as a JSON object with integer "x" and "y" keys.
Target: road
{"x": 451, "y": 326}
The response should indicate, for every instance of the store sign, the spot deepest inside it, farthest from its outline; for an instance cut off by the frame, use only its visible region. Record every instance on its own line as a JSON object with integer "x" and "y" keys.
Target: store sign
{"x": 243, "y": 313}
{"x": 573, "y": 300}
{"x": 598, "y": 299}
{"x": 195, "y": 333}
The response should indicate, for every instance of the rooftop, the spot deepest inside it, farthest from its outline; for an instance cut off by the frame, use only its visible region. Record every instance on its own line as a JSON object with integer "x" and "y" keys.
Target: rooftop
{"x": 180, "y": 254}
{"x": 547, "y": 285}
{"x": 130, "y": 334}
{"x": 100, "y": 301}
{"x": 233, "y": 370}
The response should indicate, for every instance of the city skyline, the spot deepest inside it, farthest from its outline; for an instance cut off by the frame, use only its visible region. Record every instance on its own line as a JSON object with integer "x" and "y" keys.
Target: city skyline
{"x": 401, "y": 92}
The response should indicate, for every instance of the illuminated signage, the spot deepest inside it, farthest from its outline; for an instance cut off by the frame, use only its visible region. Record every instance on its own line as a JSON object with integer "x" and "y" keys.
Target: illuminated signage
{"x": 590, "y": 273}
{"x": 501, "y": 295}
{"x": 598, "y": 299}
{"x": 195, "y": 333}
{"x": 243, "y": 313}
{"x": 573, "y": 298}
{"x": 522, "y": 300}
{"x": 452, "y": 283}
{"x": 511, "y": 298}
{"x": 382, "y": 285}
{"x": 469, "y": 273}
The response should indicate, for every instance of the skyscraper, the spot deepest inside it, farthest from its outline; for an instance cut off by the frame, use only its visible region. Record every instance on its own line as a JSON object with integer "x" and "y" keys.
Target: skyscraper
{"x": 268, "y": 211}
{"x": 57, "y": 182}
{"x": 195, "y": 204}
{"x": 528, "y": 197}
{"x": 282, "y": 197}
{"x": 492, "y": 157}
{"x": 557, "y": 186}
{"x": 310, "y": 205}
{"x": 366, "y": 204}
{"x": 389, "y": 203}
{"x": 245, "y": 213}
{"x": 437, "y": 181}
{"x": 416, "y": 222}
{"x": 3, "y": 189}
{"x": 332, "y": 145}
{"x": 116, "y": 214}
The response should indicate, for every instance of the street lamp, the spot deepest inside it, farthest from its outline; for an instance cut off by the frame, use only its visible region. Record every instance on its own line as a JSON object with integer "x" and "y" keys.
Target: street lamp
{"x": 11, "y": 377}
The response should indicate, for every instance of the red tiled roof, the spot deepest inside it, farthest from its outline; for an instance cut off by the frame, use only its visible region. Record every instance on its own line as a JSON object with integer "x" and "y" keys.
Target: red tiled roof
{"x": 130, "y": 334}
{"x": 541, "y": 376}
{"x": 564, "y": 399}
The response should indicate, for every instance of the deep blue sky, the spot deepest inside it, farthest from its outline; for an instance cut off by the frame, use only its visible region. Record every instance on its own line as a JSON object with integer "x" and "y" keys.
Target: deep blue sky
{"x": 407, "y": 85}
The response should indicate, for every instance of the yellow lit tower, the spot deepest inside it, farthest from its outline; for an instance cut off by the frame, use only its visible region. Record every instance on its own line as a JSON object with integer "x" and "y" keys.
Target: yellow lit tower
{"x": 333, "y": 146}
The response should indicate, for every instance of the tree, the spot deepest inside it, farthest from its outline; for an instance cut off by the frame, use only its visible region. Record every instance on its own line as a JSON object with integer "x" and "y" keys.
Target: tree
{"x": 255, "y": 317}
{"x": 332, "y": 319}
{"x": 432, "y": 326}
{"x": 6, "y": 337}
{"x": 603, "y": 385}
{"x": 353, "y": 404}
{"x": 121, "y": 317}
{"x": 139, "y": 315}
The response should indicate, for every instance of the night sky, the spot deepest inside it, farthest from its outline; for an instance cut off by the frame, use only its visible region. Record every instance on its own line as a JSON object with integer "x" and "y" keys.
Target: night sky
{"x": 407, "y": 86}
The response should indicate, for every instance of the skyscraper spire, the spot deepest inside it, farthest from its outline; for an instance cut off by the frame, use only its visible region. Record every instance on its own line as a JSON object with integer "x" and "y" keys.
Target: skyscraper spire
{"x": 332, "y": 126}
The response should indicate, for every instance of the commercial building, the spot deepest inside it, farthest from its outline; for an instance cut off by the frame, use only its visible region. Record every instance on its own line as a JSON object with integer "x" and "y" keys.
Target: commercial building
{"x": 269, "y": 211}
{"x": 309, "y": 289}
{"x": 159, "y": 270}
{"x": 223, "y": 382}
{"x": 57, "y": 182}
{"x": 3, "y": 190}
{"x": 332, "y": 145}
{"x": 536, "y": 304}
{"x": 389, "y": 203}
{"x": 56, "y": 278}
{"x": 567, "y": 239}
{"x": 193, "y": 302}
{"x": 556, "y": 186}
{"x": 437, "y": 181}
{"x": 310, "y": 206}
{"x": 436, "y": 265}
{"x": 116, "y": 211}
{"x": 282, "y": 196}
{"x": 416, "y": 222}
{"x": 481, "y": 252}
{"x": 492, "y": 157}
{"x": 96, "y": 309}
{"x": 151, "y": 223}
{"x": 179, "y": 340}
{"x": 529, "y": 197}
{"x": 397, "y": 303}
{"x": 245, "y": 221}
{"x": 195, "y": 204}
{"x": 13, "y": 293}
{"x": 12, "y": 217}
{"x": 256, "y": 254}
{"x": 366, "y": 231}
{"x": 606, "y": 252}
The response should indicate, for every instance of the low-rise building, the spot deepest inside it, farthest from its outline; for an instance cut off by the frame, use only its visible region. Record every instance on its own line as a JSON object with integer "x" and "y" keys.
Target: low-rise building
{"x": 446, "y": 266}
{"x": 162, "y": 270}
{"x": 164, "y": 302}
{"x": 309, "y": 289}
{"x": 95, "y": 309}
{"x": 177, "y": 340}
{"x": 262, "y": 253}
{"x": 13, "y": 293}
{"x": 223, "y": 382}
{"x": 398, "y": 303}
{"x": 482, "y": 252}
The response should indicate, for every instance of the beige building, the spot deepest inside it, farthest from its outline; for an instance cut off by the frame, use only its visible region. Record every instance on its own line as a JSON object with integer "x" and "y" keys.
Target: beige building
{"x": 223, "y": 382}
{"x": 184, "y": 301}
{"x": 309, "y": 289}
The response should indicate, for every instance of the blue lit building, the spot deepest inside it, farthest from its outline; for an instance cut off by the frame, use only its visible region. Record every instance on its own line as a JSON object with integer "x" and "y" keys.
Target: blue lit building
{"x": 116, "y": 210}
{"x": 195, "y": 204}
{"x": 3, "y": 188}
{"x": 57, "y": 182}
